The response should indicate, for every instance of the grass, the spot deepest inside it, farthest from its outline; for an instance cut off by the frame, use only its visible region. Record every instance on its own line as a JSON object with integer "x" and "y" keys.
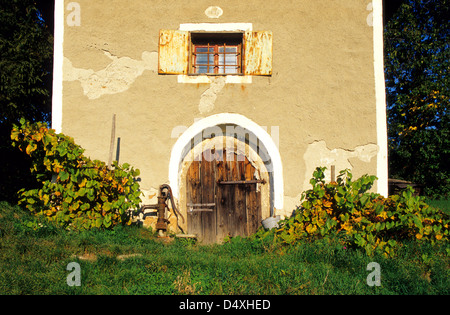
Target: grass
{"x": 34, "y": 256}
{"x": 443, "y": 204}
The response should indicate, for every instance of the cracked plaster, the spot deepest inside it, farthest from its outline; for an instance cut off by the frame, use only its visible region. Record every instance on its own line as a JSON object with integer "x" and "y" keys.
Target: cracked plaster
{"x": 117, "y": 77}
{"x": 209, "y": 97}
{"x": 318, "y": 154}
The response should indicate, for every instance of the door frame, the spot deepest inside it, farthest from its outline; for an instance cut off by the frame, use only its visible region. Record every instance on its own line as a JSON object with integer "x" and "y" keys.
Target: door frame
{"x": 232, "y": 145}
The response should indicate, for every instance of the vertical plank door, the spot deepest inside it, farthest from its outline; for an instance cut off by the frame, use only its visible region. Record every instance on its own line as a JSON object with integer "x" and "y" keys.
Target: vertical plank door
{"x": 221, "y": 178}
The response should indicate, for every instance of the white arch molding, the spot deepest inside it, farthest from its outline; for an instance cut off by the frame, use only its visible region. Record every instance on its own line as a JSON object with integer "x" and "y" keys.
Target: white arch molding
{"x": 198, "y": 127}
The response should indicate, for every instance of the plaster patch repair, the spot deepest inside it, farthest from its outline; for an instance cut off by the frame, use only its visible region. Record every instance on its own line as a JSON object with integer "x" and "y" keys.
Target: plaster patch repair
{"x": 209, "y": 97}
{"x": 117, "y": 77}
{"x": 214, "y": 12}
{"x": 318, "y": 154}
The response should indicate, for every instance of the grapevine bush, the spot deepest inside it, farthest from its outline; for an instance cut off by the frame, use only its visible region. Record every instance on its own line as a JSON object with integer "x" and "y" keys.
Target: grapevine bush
{"x": 346, "y": 209}
{"x": 75, "y": 192}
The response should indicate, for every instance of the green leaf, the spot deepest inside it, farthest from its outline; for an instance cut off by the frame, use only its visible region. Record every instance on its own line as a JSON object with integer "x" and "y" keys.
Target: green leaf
{"x": 107, "y": 224}
{"x": 417, "y": 222}
{"x": 106, "y": 207}
{"x": 363, "y": 200}
{"x": 82, "y": 192}
{"x": 392, "y": 243}
{"x": 330, "y": 223}
{"x": 98, "y": 222}
{"x": 64, "y": 176}
{"x": 379, "y": 208}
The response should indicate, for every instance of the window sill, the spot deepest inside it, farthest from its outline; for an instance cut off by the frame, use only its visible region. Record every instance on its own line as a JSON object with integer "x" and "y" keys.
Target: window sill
{"x": 202, "y": 78}
{"x": 214, "y": 74}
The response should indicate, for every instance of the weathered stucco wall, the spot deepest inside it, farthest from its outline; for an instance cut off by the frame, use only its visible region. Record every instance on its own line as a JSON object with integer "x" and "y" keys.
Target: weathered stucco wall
{"x": 321, "y": 94}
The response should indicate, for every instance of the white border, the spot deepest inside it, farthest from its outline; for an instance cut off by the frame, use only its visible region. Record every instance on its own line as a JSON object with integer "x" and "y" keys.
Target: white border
{"x": 58, "y": 61}
{"x": 177, "y": 157}
{"x": 380, "y": 90}
{"x": 216, "y": 27}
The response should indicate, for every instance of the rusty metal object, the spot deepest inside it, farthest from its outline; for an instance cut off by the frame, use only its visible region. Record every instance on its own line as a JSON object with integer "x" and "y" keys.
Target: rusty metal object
{"x": 201, "y": 207}
{"x": 161, "y": 224}
{"x": 165, "y": 193}
{"x": 170, "y": 197}
{"x": 242, "y": 182}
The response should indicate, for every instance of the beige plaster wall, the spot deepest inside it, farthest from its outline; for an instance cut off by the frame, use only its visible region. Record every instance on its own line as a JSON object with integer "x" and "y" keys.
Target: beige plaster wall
{"x": 321, "y": 93}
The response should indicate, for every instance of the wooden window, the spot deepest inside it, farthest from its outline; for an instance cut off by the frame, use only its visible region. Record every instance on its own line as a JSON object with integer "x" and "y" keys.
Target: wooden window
{"x": 216, "y": 53}
{"x": 195, "y": 53}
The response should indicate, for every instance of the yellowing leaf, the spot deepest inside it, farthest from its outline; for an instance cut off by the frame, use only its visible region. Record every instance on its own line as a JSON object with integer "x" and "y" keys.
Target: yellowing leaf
{"x": 31, "y": 148}
{"x": 419, "y": 236}
{"x": 327, "y": 204}
{"x": 311, "y": 228}
{"x": 347, "y": 226}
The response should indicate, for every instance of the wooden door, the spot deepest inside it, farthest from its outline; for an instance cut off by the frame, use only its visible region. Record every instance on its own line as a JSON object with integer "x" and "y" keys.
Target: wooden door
{"x": 222, "y": 196}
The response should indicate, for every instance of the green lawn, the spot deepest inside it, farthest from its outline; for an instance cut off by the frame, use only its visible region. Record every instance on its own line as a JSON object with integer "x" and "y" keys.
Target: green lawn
{"x": 34, "y": 259}
{"x": 443, "y": 204}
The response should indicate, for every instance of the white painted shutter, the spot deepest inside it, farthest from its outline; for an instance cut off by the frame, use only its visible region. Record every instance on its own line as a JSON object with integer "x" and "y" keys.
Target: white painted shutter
{"x": 258, "y": 53}
{"x": 173, "y": 52}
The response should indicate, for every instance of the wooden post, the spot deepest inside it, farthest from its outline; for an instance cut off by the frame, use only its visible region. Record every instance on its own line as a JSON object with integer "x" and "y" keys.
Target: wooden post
{"x": 333, "y": 173}
{"x": 113, "y": 139}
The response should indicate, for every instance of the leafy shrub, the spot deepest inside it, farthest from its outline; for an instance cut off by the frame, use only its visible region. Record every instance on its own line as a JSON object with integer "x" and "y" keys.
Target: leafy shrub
{"x": 75, "y": 191}
{"x": 361, "y": 219}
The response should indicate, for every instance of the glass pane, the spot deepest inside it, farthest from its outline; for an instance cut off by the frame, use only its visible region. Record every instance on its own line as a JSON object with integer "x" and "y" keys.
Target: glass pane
{"x": 202, "y": 69}
{"x": 228, "y": 59}
{"x": 227, "y": 70}
{"x": 202, "y": 59}
{"x": 204, "y": 49}
{"x": 230, "y": 69}
{"x": 205, "y": 69}
{"x": 228, "y": 49}
{"x": 231, "y": 60}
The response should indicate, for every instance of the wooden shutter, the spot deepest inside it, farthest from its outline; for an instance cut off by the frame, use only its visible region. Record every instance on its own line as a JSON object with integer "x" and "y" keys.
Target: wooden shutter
{"x": 173, "y": 52}
{"x": 258, "y": 53}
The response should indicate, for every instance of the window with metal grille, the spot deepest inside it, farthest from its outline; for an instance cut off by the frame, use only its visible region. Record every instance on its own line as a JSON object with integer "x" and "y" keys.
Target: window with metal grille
{"x": 216, "y": 53}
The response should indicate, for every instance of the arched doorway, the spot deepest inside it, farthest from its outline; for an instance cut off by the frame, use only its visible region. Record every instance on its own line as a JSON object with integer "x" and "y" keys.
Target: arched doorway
{"x": 183, "y": 146}
{"x": 224, "y": 190}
